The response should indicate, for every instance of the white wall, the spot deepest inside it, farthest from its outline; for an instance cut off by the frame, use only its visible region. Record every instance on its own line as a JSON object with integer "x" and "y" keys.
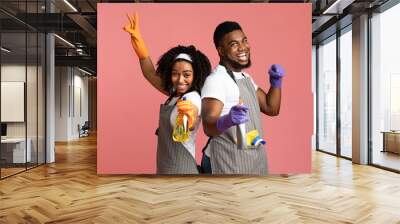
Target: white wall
{"x": 13, "y": 73}
{"x": 71, "y": 93}
{"x": 80, "y": 84}
{"x": 33, "y": 127}
{"x": 61, "y": 103}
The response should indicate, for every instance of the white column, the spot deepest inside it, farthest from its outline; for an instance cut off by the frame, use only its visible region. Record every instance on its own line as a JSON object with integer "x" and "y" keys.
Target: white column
{"x": 360, "y": 90}
{"x": 50, "y": 100}
{"x": 50, "y": 92}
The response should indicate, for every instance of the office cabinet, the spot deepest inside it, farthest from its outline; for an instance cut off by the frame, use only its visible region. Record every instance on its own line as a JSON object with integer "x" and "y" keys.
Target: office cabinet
{"x": 391, "y": 141}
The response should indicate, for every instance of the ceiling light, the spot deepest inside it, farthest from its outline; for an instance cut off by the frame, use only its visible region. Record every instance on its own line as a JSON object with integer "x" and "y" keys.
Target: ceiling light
{"x": 64, "y": 40}
{"x": 70, "y": 5}
{"x": 337, "y": 7}
{"x": 84, "y": 71}
{"x": 331, "y": 7}
{"x": 5, "y": 50}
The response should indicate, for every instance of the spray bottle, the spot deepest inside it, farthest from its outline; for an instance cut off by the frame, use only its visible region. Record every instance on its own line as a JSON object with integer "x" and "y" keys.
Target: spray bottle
{"x": 181, "y": 131}
{"x": 241, "y": 133}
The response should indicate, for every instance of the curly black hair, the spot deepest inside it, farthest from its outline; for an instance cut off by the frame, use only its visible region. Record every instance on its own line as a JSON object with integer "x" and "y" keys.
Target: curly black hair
{"x": 201, "y": 67}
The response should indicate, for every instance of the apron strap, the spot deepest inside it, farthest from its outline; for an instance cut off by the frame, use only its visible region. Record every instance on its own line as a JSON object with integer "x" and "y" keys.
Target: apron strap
{"x": 172, "y": 96}
{"x": 230, "y": 73}
{"x": 208, "y": 142}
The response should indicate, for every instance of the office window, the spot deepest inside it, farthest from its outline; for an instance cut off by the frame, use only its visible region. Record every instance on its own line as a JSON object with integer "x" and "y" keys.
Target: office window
{"x": 385, "y": 88}
{"x": 13, "y": 148}
{"x": 31, "y": 101}
{"x": 327, "y": 95}
{"x": 314, "y": 91}
{"x": 346, "y": 92}
{"x": 22, "y": 90}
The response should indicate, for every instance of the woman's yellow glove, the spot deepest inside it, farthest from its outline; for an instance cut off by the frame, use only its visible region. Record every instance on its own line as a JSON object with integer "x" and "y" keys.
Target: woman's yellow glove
{"x": 136, "y": 38}
{"x": 185, "y": 107}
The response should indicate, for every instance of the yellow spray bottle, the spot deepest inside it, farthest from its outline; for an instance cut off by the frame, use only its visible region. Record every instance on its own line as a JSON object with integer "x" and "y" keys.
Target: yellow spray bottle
{"x": 181, "y": 131}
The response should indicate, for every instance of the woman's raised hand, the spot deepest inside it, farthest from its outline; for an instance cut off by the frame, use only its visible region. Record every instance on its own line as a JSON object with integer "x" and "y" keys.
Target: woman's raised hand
{"x": 136, "y": 38}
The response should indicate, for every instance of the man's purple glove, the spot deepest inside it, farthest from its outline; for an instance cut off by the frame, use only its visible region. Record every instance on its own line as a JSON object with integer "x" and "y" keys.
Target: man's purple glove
{"x": 237, "y": 115}
{"x": 276, "y": 73}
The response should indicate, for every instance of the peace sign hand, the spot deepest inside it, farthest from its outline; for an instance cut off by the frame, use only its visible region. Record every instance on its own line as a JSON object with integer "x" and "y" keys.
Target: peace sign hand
{"x": 133, "y": 26}
{"x": 136, "y": 38}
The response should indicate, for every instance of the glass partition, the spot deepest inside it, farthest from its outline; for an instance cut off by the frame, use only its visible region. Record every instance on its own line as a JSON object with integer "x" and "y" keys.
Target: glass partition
{"x": 13, "y": 105}
{"x": 385, "y": 89}
{"x": 327, "y": 96}
{"x": 22, "y": 77}
{"x": 346, "y": 93}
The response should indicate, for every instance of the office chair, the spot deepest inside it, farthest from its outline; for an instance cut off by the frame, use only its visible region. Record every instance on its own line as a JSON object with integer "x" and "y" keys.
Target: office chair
{"x": 84, "y": 130}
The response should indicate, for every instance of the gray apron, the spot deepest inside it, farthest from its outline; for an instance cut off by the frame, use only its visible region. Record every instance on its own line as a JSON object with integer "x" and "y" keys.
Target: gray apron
{"x": 172, "y": 157}
{"x": 225, "y": 156}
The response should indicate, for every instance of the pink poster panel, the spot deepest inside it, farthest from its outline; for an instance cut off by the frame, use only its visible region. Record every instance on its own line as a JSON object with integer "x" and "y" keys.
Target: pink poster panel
{"x": 128, "y": 106}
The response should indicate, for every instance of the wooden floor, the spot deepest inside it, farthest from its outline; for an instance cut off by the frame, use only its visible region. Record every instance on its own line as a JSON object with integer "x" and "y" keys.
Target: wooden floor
{"x": 5, "y": 172}
{"x": 70, "y": 191}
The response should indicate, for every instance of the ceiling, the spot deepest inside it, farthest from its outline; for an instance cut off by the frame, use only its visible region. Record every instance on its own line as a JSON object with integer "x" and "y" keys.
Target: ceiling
{"x": 76, "y": 22}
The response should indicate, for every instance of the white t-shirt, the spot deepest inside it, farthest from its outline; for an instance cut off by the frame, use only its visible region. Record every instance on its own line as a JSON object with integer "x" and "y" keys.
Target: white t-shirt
{"x": 194, "y": 97}
{"x": 219, "y": 85}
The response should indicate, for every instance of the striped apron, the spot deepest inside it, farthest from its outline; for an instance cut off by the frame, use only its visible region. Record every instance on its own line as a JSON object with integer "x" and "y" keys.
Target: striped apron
{"x": 172, "y": 157}
{"x": 225, "y": 156}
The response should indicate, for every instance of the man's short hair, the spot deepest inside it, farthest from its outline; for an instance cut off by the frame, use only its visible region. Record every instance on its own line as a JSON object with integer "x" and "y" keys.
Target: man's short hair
{"x": 223, "y": 29}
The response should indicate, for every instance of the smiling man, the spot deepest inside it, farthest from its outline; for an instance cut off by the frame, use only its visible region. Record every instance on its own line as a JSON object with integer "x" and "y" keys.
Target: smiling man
{"x": 221, "y": 111}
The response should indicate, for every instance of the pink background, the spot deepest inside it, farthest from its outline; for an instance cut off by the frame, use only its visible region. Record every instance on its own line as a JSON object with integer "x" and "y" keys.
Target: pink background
{"x": 128, "y": 105}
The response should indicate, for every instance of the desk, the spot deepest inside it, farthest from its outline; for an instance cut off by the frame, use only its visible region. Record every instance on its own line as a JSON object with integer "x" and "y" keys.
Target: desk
{"x": 15, "y": 148}
{"x": 391, "y": 141}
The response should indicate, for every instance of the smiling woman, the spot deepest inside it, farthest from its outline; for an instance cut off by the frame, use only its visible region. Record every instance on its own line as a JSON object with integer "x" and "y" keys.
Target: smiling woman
{"x": 180, "y": 73}
{"x": 182, "y": 76}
